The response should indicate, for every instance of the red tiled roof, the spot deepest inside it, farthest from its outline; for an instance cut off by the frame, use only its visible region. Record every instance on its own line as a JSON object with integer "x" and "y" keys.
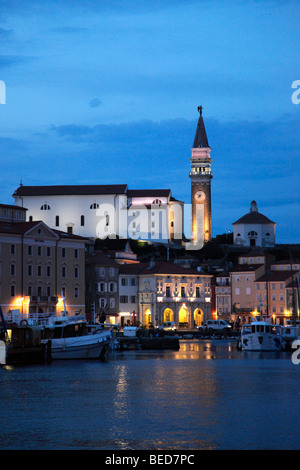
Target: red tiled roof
{"x": 276, "y": 276}
{"x": 159, "y": 267}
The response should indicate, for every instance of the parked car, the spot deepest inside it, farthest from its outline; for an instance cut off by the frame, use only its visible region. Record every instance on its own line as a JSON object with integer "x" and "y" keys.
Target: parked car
{"x": 215, "y": 325}
{"x": 168, "y": 326}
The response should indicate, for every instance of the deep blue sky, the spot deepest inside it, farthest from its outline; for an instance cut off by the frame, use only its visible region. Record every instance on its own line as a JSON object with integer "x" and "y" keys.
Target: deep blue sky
{"x": 103, "y": 92}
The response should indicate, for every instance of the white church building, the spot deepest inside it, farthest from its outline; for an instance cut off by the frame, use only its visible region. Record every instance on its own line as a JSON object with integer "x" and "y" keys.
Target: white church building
{"x": 254, "y": 229}
{"x": 105, "y": 211}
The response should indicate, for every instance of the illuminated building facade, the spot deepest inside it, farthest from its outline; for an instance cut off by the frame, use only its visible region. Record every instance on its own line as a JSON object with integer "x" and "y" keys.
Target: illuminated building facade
{"x": 167, "y": 292}
{"x": 39, "y": 265}
{"x": 105, "y": 211}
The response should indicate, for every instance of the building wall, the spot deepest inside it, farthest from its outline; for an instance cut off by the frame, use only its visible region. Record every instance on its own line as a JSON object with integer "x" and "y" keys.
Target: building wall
{"x": 36, "y": 268}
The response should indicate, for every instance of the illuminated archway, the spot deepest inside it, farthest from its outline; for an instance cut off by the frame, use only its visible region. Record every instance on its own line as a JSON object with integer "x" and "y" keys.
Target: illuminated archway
{"x": 198, "y": 316}
{"x": 168, "y": 314}
{"x": 147, "y": 317}
{"x": 183, "y": 315}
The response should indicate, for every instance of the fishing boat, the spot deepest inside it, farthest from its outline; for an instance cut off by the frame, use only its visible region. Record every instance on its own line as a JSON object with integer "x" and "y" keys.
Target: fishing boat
{"x": 67, "y": 337}
{"x": 58, "y": 336}
{"x": 260, "y": 335}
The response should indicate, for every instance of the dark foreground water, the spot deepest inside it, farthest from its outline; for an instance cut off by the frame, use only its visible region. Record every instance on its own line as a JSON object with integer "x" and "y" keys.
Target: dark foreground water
{"x": 207, "y": 395}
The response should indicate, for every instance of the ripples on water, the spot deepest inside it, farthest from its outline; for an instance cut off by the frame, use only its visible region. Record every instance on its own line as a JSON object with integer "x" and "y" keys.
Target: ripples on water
{"x": 207, "y": 395}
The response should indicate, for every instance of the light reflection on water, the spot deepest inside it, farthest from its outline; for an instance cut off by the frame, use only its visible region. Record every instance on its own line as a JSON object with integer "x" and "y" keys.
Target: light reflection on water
{"x": 207, "y": 395}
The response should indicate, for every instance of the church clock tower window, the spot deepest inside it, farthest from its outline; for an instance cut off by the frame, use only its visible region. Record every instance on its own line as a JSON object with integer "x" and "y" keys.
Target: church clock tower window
{"x": 201, "y": 176}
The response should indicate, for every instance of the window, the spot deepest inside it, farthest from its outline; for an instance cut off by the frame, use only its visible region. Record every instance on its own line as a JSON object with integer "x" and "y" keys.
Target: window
{"x": 76, "y": 253}
{"x": 57, "y": 221}
{"x": 257, "y": 286}
{"x": 63, "y": 271}
{"x": 45, "y": 207}
{"x": 124, "y": 299}
{"x": 101, "y": 287}
{"x": 12, "y": 249}
{"x": 197, "y": 291}
{"x": 124, "y": 281}
{"x": 29, "y": 269}
{"x": 12, "y": 269}
{"x": 111, "y": 302}
{"x": 133, "y": 281}
{"x": 237, "y": 291}
{"x": 29, "y": 290}
{"x": 12, "y": 291}
{"x": 39, "y": 251}
{"x": 39, "y": 291}
{"x": 248, "y": 290}
{"x": 182, "y": 291}
{"x": 29, "y": 250}
{"x": 157, "y": 202}
{"x": 76, "y": 292}
{"x": 76, "y": 272}
{"x": 107, "y": 220}
{"x": 168, "y": 291}
{"x": 95, "y": 205}
{"x": 48, "y": 251}
{"x": 48, "y": 271}
{"x": 111, "y": 272}
{"x": 133, "y": 299}
{"x": 82, "y": 221}
{"x": 102, "y": 302}
{"x": 63, "y": 252}
{"x": 111, "y": 287}
{"x": 39, "y": 270}
{"x": 48, "y": 291}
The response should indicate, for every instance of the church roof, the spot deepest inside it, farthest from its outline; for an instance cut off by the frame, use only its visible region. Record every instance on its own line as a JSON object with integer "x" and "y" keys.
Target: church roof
{"x": 148, "y": 192}
{"x": 200, "y": 139}
{"x": 254, "y": 217}
{"x": 68, "y": 190}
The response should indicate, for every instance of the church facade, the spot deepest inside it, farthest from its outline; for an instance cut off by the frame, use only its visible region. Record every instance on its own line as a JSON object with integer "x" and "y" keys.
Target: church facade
{"x": 254, "y": 229}
{"x": 105, "y": 211}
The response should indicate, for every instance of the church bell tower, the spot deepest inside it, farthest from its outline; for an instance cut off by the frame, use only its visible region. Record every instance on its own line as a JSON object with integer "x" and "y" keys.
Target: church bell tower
{"x": 201, "y": 176}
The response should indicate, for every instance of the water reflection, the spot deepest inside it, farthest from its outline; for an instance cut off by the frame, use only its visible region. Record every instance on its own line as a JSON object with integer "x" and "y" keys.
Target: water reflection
{"x": 193, "y": 398}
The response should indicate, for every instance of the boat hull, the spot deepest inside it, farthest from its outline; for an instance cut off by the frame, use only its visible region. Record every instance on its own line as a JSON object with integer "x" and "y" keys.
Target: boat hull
{"x": 261, "y": 342}
{"x": 92, "y": 346}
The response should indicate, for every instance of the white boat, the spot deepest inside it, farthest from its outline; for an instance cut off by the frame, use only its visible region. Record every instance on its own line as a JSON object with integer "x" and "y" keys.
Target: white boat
{"x": 260, "y": 335}
{"x": 68, "y": 338}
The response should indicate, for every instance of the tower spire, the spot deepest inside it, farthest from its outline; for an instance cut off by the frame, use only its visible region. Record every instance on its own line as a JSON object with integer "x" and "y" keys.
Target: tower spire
{"x": 200, "y": 140}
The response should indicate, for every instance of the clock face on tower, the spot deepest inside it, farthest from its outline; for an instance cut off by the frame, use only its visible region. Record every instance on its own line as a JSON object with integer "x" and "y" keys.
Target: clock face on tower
{"x": 199, "y": 196}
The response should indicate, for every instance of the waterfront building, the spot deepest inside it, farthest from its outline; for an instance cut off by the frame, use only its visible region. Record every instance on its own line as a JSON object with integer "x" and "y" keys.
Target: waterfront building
{"x": 254, "y": 229}
{"x": 201, "y": 175}
{"x": 39, "y": 266}
{"x": 243, "y": 298}
{"x": 223, "y": 296}
{"x": 102, "y": 293}
{"x": 167, "y": 292}
{"x": 277, "y": 295}
{"x": 105, "y": 211}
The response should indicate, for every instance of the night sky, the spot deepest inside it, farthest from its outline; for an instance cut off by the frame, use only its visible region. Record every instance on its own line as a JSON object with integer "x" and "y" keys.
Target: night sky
{"x": 106, "y": 92}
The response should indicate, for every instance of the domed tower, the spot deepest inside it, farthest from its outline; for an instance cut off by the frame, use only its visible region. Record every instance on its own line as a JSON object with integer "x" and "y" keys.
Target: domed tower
{"x": 201, "y": 176}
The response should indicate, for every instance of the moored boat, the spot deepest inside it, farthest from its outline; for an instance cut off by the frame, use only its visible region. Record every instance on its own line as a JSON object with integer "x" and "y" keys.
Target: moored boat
{"x": 260, "y": 335}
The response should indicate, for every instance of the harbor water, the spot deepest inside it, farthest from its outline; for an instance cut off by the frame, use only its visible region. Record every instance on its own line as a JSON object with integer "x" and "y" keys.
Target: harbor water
{"x": 207, "y": 395}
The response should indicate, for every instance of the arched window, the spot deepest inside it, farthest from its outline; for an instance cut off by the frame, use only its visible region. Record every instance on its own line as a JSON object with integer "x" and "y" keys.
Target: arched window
{"x": 252, "y": 234}
{"x": 95, "y": 205}
{"x": 45, "y": 207}
{"x": 57, "y": 221}
{"x": 82, "y": 220}
{"x": 157, "y": 202}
